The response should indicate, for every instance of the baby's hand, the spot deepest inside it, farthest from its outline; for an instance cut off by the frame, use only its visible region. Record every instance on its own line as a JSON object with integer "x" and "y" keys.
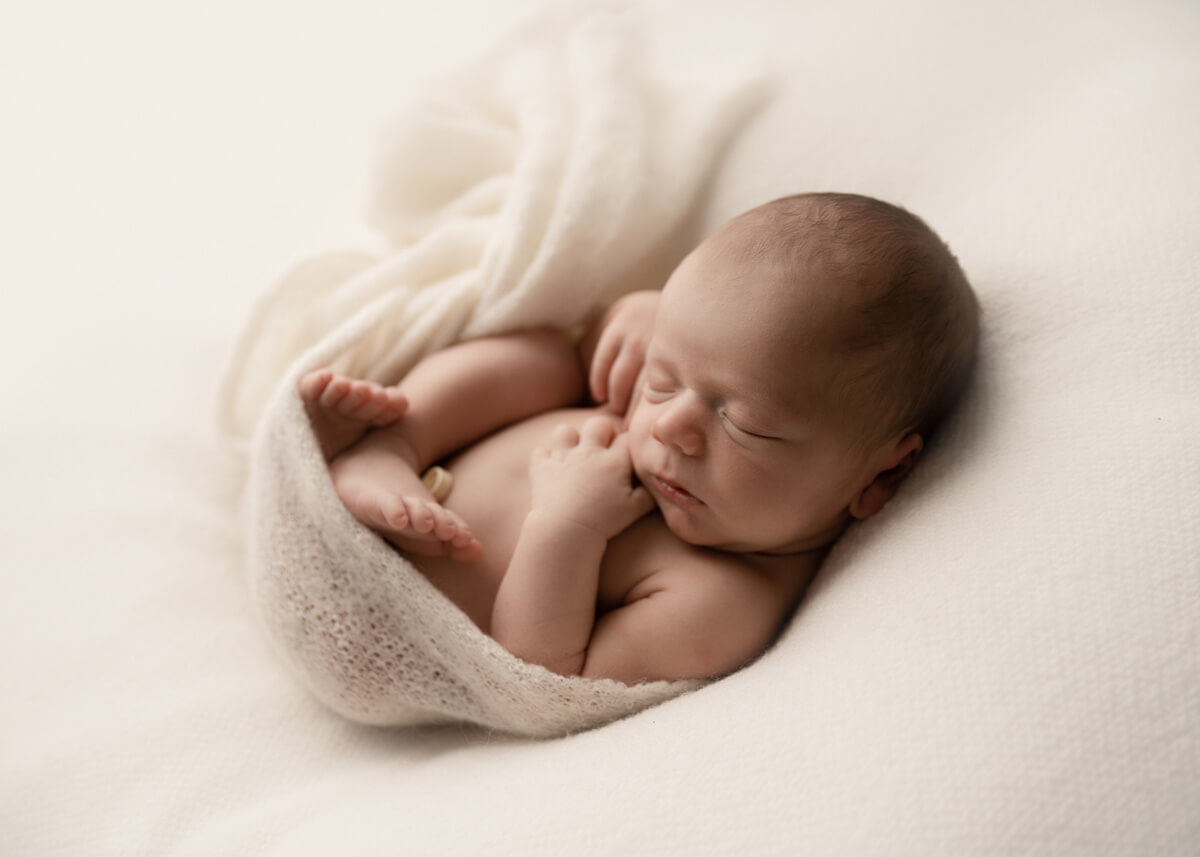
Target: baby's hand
{"x": 586, "y": 477}
{"x": 620, "y": 349}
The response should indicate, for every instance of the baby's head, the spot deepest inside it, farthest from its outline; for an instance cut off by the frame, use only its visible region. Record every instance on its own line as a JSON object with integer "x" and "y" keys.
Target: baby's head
{"x": 801, "y": 356}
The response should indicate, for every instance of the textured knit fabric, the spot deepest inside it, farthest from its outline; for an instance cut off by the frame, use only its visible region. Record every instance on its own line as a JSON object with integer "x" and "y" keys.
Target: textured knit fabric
{"x": 531, "y": 189}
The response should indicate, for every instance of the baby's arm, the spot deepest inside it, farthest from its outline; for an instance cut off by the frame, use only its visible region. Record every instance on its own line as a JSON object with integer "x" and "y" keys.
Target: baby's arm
{"x": 581, "y": 496}
{"x": 702, "y": 618}
{"x": 614, "y": 349}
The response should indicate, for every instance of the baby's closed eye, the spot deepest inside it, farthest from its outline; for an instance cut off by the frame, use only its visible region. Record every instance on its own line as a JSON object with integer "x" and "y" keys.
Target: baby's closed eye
{"x": 655, "y": 393}
{"x": 741, "y": 428}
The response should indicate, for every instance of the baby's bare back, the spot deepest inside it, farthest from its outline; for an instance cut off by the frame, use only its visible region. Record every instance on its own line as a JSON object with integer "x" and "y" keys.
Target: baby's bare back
{"x": 491, "y": 493}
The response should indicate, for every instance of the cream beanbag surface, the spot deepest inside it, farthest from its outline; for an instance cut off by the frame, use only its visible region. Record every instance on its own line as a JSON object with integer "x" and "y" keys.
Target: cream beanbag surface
{"x": 1005, "y": 661}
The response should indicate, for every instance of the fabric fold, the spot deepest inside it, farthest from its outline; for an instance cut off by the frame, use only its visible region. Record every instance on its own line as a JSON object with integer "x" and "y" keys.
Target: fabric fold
{"x": 533, "y": 187}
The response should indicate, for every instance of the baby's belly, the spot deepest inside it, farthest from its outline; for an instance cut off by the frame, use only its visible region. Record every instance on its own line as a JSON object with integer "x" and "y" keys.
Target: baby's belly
{"x": 491, "y": 493}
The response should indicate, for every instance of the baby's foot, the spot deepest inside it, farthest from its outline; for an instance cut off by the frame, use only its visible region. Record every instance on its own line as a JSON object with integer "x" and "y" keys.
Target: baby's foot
{"x": 343, "y": 409}
{"x": 418, "y": 525}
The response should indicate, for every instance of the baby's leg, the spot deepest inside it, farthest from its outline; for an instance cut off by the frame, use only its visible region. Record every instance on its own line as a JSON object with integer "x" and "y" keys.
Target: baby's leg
{"x": 454, "y": 397}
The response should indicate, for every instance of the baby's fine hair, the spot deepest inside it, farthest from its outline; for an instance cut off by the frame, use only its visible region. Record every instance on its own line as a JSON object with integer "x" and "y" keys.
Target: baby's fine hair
{"x": 911, "y": 334}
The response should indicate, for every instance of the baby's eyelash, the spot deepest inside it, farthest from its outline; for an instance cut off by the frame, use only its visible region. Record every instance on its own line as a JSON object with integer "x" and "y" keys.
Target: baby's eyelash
{"x": 746, "y": 432}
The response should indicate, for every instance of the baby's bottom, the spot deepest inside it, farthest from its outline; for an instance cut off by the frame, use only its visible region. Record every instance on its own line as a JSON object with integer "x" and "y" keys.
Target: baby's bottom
{"x": 448, "y": 401}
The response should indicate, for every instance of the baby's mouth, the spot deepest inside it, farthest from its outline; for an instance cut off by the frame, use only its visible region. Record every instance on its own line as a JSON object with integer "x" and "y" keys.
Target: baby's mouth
{"x": 677, "y": 494}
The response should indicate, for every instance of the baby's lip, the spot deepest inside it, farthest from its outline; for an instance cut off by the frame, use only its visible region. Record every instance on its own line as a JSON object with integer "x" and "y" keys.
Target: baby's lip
{"x": 676, "y": 493}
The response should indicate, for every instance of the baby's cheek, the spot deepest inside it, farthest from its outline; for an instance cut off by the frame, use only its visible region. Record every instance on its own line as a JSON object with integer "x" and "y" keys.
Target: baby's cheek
{"x": 752, "y": 477}
{"x": 762, "y": 492}
{"x": 637, "y": 426}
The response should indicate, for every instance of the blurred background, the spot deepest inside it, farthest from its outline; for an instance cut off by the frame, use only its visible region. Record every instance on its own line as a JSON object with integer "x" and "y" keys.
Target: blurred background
{"x": 166, "y": 161}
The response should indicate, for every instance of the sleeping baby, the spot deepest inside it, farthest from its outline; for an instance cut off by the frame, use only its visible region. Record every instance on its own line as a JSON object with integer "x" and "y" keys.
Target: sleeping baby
{"x": 652, "y": 503}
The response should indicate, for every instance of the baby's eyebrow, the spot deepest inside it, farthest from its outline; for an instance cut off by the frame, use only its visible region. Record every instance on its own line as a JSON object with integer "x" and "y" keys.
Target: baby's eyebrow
{"x": 654, "y": 355}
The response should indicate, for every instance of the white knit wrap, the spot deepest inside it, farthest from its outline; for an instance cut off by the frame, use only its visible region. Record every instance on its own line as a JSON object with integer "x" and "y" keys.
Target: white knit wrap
{"x": 532, "y": 187}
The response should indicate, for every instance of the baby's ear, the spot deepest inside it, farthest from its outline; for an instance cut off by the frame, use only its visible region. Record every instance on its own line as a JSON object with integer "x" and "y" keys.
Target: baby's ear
{"x": 892, "y": 465}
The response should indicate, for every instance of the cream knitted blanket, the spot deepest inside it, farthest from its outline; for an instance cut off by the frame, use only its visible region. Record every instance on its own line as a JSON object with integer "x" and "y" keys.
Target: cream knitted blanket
{"x": 532, "y": 187}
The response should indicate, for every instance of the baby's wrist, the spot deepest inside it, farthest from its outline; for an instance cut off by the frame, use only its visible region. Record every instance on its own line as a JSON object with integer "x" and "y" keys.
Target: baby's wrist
{"x": 563, "y": 522}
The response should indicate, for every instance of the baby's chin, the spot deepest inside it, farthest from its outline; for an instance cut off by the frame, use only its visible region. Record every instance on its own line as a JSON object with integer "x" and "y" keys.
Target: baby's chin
{"x": 695, "y": 533}
{"x": 684, "y": 526}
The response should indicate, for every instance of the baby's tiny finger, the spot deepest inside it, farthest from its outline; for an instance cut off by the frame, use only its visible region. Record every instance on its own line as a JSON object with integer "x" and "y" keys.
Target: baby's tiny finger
{"x": 641, "y": 500}
{"x": 622, "y": 377}
{"x": 602, "y": 360}
{"x": 565, "y": 436}
{"x": 598, "y": 431}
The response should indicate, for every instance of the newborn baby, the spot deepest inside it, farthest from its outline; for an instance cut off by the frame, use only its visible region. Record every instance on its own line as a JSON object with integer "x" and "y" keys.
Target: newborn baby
{"x": 780, "y": 386}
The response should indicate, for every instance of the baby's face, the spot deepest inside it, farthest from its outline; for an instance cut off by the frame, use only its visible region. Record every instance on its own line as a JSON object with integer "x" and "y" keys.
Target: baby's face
{"x": 729, "y": 431}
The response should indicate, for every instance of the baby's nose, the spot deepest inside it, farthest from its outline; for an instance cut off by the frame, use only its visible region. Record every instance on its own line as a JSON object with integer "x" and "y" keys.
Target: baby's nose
{"x": 678, "y": 426}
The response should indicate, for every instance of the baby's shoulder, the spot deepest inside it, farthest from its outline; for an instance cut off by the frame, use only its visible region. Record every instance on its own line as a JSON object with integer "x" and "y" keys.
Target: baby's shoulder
{"x": 690, "y": 612}
{"x": 759, "y": 589}
{"x": 762, "y": 590}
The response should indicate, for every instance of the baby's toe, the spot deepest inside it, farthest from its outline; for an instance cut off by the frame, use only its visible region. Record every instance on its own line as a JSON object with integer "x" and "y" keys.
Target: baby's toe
{"x": 467, "y": 551}
{"x": 397, "y": 402}
{"x": 445, "y": 524}
{"x": 391, "y": 406}
{"x": 461, "y": 529}
{"x": 358, "y": 395}
{"x": 314, "y": 383}
{"x": 375, "y": 404}
{"x": 334, "y": 392}
{"x": 420, "y": 515}
{"x": 394, "y": 512}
